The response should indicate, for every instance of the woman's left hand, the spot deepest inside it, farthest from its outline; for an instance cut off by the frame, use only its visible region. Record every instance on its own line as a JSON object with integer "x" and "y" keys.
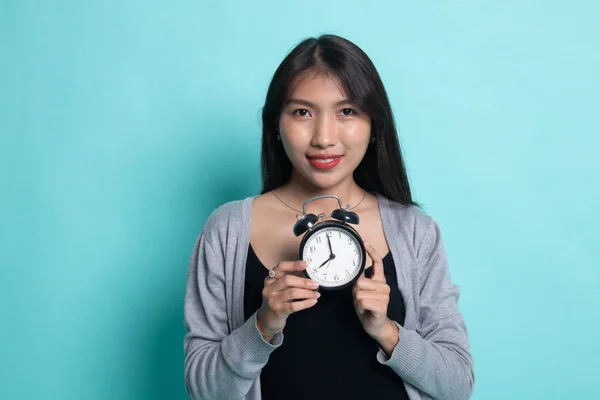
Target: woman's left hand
{"x": 371, "y": 299}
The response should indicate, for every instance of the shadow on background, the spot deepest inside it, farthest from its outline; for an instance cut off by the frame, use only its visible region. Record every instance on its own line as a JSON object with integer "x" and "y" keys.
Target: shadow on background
{"x": 228, "y": 174}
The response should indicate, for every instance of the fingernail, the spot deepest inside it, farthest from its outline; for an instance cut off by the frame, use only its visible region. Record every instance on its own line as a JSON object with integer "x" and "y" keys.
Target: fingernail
{"x": 314, "y": 284}
{"x": 317, "y": 295}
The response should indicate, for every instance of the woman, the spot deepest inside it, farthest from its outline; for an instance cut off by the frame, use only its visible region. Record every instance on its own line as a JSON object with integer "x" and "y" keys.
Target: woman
{"x": 396, "y": 332}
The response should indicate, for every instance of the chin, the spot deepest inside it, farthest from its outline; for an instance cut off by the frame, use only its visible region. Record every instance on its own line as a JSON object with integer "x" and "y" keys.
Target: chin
{"x": 324, "y": 181}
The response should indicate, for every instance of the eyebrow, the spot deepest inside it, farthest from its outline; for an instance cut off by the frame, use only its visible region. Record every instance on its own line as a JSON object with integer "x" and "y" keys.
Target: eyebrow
{"x": 309, "y": 104}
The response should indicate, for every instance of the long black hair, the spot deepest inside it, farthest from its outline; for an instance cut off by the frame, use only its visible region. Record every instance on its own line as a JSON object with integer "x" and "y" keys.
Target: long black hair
{"x": 382, "y": 168}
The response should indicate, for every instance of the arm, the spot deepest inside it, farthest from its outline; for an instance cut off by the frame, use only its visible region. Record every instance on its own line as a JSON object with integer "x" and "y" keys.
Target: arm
{"x": 435, "y": 358}
{"x": 218, "y": 364}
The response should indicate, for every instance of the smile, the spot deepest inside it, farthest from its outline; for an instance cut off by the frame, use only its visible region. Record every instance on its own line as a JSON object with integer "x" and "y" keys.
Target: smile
{"x": 324, "y": 163}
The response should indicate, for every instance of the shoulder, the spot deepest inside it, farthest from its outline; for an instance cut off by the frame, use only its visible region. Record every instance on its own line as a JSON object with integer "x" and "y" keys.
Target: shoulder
{"x": 409, "y": 223}
{"x": 405, "y": 215}
{"x": 224, "y": 213}
{"x": 227, "y": 219}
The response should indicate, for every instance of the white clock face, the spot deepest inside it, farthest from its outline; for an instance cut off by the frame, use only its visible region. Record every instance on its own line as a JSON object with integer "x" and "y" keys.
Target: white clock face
{"x": 334, "y": 256}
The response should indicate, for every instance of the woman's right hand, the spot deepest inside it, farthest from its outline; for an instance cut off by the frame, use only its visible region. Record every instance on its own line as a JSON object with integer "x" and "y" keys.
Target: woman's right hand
{"x": 283, "y": 295}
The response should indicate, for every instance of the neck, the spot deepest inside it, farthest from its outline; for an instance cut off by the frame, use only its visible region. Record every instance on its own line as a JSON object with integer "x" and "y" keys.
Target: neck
{"x": 298, "y": 190}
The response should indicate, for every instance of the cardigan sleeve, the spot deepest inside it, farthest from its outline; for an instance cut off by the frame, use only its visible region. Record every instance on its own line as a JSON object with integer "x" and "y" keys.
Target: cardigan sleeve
{"x": 435, "y": 358}
{"x": 218, "y": 364}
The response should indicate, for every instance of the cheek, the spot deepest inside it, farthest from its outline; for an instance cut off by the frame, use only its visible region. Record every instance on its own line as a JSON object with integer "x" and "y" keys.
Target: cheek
{"x": 294, "y": 137}
{"x": 358, "y": 134}
{"x": 291, "y": 143}
{"x": 291, "y": 150}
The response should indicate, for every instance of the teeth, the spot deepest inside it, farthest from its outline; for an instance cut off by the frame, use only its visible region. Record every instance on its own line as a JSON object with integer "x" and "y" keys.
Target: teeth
{"x": 324, "y": 160}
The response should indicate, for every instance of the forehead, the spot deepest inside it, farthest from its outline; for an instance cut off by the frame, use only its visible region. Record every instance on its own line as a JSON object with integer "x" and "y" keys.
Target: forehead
{"x": 317, "y": 86}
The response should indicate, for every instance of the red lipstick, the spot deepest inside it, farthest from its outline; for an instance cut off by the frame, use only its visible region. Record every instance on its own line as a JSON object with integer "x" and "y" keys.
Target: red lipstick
{"x": 324, "y": 161}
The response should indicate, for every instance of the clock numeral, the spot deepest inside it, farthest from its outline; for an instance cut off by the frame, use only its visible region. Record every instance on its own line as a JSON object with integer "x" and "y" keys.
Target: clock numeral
{"x": 309, "y": 260}
{"x": 347, "y": 273}
{"x": 314, "y": 270}
{"x": 340, "y": 233}
{"x": 355, "y": 250}
{"x": 325, "y": 276}
{"x": 318, "y": 239}
{"x": 354, "y": 263}
{"x": 312, "y": 249}
{"x": 329, "y": 233}
{"x": 350, "y": 241}
{"x": 336, "y": 278}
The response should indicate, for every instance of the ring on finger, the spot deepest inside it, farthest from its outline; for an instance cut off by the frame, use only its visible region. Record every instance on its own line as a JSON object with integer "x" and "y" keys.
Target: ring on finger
{"x": 272, "y": 274}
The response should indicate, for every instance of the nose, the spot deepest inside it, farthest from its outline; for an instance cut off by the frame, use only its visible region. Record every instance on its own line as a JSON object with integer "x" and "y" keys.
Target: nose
{"x": 325, "y": 132}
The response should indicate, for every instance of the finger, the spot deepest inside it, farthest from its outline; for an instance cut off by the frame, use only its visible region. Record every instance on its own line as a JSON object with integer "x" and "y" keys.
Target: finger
{"x": 378, "y": 273}
{"x": 294, "y": 293}
{"x": 363, "y": 294}
{"x": 288, "y": 281}
{"x": 367, "y": 284}
{"x": 364, "y": 283}
{"x": 296, "y": 306}
{"x": 283, "y": 267}
{"x": 372, "y": 305}
{"x": 290, "y": 266}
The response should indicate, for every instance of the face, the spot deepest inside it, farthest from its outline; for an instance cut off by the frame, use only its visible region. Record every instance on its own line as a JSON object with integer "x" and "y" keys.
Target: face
{"x": 324, "y": 135}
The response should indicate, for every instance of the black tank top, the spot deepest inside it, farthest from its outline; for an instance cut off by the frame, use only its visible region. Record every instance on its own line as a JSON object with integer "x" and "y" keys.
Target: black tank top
{"x": 326, "y": 354}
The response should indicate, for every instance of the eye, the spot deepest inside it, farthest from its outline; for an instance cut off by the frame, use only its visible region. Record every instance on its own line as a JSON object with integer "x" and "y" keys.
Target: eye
{"x": 348, "y": 112}
{"x": 302, "y": 112}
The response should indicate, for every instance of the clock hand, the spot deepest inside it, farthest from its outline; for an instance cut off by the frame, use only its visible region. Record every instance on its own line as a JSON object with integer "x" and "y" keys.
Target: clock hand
{"x": 331, "y": 257}
{"x": 329, "y": 241}
{"x": 324, "y": 262}
{"x": 327, "y": 268}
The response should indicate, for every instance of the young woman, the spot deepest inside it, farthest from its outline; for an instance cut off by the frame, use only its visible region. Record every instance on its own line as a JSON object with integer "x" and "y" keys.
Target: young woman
{"x": 256, "y": 327}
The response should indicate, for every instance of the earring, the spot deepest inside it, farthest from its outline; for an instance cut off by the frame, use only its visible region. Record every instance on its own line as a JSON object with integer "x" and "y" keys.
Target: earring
{"x": 372, "y": 139}
{"x": 278, "y": 137}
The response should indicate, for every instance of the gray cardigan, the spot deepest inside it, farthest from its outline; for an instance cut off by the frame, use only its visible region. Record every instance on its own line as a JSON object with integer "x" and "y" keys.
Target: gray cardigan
{"x": 224, "y": 354}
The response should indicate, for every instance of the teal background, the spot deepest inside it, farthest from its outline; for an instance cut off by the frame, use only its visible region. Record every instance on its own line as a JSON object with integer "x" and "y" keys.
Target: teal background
{"x": 125, "y": 123}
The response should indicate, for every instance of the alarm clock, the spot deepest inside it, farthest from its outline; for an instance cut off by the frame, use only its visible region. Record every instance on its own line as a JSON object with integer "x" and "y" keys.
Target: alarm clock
{"x": 333, "y": 249}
